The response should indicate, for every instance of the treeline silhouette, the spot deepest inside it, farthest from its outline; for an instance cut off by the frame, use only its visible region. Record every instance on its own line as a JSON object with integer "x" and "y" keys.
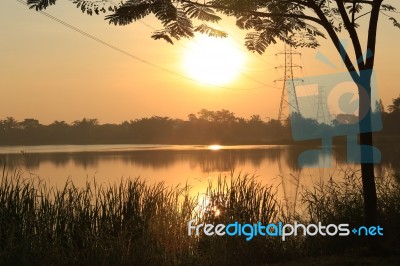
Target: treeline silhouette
{"x": 205, "y": 127}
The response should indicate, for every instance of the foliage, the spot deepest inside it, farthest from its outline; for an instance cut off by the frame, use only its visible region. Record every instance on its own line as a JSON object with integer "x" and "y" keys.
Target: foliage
{"x": 394, "y": 108}
{"x": 207, "y": 127}
{"x": 295, "y": 22}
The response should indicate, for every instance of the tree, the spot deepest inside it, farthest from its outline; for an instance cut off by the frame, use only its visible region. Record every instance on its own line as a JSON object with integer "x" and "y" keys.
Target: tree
{"x": 9, "y": 124}
{"x": 29, "y": 123}
{"x": 255, "y": 119}
{"x": 394, "y": 108}
{"x": 298, "y": 23}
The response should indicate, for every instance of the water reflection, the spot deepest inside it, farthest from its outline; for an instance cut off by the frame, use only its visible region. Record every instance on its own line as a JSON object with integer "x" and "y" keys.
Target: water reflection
{"x": 208, "y": 160}
{"x": 194, "y": 165}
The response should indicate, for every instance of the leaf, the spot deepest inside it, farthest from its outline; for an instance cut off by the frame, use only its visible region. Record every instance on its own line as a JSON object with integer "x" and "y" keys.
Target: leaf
{"x": 390, "y": 8}
{"x": 395, "y": 22}
{"x": 162, "y": 35}
{"x": 165, "y": 11}
{"x": 258, "y": 41}
{"x": 205, "y": 29}
{"x": 181, "y": 27}
{"x": 249, "y": 22}
{"x": 129, "y": 12}
{"x": 96, "y": 6}
{"x": 314, "y": 31}
{"x": 40, "y": 4}
{"x": 356, "y": 8}
{"x": 200, "y": 12}
{"x": 304, "y": 40}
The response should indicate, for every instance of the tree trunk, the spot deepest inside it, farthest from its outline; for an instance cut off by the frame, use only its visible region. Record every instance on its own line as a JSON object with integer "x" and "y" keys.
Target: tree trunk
{"x": 366, "y": 142}
{"x": 368, "y": 183}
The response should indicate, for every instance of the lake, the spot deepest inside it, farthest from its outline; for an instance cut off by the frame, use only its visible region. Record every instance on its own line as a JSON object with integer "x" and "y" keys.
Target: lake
{"x": 194, "y": 165}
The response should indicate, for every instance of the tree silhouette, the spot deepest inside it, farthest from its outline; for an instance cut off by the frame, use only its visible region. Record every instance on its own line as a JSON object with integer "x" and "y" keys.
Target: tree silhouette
{"x": 298, "y": 23}
{"x": 394, "y": 108}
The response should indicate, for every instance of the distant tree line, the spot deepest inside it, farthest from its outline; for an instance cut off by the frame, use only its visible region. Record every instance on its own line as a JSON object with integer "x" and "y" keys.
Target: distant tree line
{"x": 205, "y": 127}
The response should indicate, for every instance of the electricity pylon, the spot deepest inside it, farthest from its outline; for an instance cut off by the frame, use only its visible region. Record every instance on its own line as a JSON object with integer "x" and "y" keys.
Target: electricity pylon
{"x": 289, "y": 181}
{"x": 288, "y": 80}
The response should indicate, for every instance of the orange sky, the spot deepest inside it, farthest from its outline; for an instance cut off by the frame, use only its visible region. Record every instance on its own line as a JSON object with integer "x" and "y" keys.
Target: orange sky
{"x": 50, "y": 72}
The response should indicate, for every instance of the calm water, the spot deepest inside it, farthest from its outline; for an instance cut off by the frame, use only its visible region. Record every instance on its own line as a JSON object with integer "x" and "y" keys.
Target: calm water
{"x": 194, "y": 165}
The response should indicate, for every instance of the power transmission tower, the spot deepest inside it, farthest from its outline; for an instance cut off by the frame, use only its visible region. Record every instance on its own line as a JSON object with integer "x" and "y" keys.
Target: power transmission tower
{"x": 288, "y": 80}
{"x": 320, "y": 117}
{"x": 290, "y": 183}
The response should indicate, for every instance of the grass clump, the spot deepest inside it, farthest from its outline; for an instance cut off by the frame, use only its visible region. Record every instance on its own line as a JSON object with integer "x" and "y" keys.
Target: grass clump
{"x": 129, "y": 223}
{"x": 337, "y": 202}
{"x": 245, "y": 200}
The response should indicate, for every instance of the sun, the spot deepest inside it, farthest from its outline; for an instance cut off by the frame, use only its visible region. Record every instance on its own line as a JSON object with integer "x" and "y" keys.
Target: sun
{"x": 213, "y": 61}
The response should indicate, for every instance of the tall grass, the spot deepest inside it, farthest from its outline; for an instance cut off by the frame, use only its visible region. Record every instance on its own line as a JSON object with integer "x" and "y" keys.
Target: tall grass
{"x": 127, "y": 223}
{"x": 134, "y": 223}
{"x": 333, "y": 202}
{"x": 245, "y": 200}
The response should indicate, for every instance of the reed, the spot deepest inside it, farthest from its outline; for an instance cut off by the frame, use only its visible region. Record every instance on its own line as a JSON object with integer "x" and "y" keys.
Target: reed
{"x": 129, "y": 222}
{"x": 245, "y": 200}
{"x": 336, "y": 202}
{"x": 134, "y": 223}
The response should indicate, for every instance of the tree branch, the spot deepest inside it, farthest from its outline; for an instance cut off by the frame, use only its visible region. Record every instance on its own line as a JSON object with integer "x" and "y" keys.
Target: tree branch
{"x": 372, "y": 30}
{"x": 359, "y": 2}
{"x": 360, "y": 16}
{"x": 335, "y": 39}
{"x": 260, "y": 14}
{"x": 352, "y": 32}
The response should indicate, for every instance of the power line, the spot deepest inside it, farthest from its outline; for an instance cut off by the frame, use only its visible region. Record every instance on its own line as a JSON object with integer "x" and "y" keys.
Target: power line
{"x": 115, "y": 48}
{"x": 254, "y": 54}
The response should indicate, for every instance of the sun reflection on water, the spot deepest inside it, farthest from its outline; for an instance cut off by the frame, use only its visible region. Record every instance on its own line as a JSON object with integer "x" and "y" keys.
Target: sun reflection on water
{"x": 214, "y": 147}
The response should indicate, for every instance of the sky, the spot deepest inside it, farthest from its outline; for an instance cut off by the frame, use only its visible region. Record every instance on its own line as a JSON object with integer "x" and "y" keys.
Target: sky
{"x": 50, "y": 72}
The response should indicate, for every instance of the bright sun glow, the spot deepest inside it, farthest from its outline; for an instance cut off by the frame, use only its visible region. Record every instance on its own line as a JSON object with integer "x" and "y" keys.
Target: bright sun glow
{"x": 214, "y": 147}
{"x": 214, "y": 61}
